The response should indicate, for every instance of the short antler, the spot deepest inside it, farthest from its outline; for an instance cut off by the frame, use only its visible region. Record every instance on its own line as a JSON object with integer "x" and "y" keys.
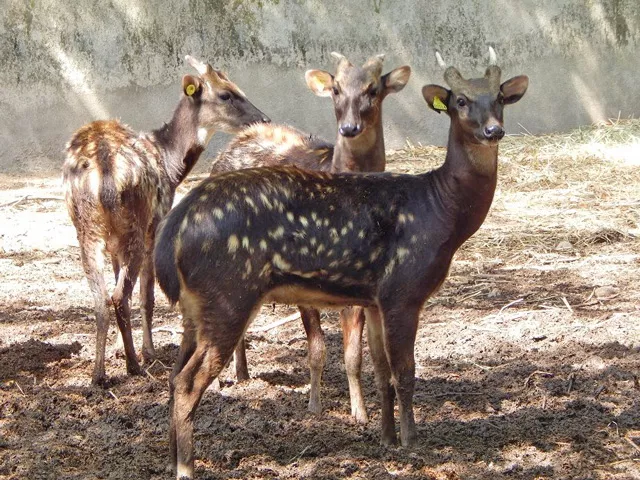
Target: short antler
{"x": 375, "y": 64}
{"x": 493, "y": 71}
{"x": 201, "y": 67}
{"x": 493, "y": 59}
{"x": 440, "y": 60}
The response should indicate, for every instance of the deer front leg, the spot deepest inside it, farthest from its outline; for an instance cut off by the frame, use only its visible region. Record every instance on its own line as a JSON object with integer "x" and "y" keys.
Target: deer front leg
{"x": 400, "y": 328}
{"x": 375, "y": 337}
{"x": 352, "y": 320}
{"x": 317, "y": 355}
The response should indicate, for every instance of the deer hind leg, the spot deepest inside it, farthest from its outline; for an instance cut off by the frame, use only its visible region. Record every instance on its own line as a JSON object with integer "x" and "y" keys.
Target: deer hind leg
{"x": 352, "y": 320}
{"x": 219, "y": 332}
{"x": 147, "y": 298}
{"x": 115, "y": 263}
{"x": 400, "y": 328}
{"x": 92, "y": 255}
{"x": 130, "y": 259}
{"x": 317, "y": 355}
{"x": 240, "y": 361}
{"x": 375, "y": 338}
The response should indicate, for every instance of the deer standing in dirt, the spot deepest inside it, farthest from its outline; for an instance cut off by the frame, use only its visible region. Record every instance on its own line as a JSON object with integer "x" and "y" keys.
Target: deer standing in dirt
{"x": 119, "y": 184}
{"x": 288, "y": 235}
{"x": 357, "y": 94}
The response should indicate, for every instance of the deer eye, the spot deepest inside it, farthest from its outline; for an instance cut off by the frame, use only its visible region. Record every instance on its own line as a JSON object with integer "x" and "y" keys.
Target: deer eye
{"x": 372, "y": 91}
{"x": 501, "y": 99}
{"x": 462, "y": 102}
{"x": 224, "y": 96}
{"x": 335, "y": 91}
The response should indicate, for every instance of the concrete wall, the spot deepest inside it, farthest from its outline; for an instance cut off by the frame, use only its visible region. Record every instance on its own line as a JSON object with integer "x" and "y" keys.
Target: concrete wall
{"x": 65, "y": 63}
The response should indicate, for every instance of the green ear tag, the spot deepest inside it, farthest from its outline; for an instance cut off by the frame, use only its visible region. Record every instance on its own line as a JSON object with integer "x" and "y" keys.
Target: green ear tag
{"x": 438, "y": 105}
{"x": 191, "y": 89}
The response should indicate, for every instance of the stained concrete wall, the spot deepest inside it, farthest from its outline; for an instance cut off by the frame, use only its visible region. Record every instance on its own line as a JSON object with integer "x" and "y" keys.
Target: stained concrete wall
{"x": 64, "y": 63}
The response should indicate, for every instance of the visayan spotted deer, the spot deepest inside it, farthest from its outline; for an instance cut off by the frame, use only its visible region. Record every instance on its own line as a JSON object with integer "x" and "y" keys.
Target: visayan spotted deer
{"x": 288, "y": 235}
{"x": 119, "y": 184}
{"x": 357, "y": 94}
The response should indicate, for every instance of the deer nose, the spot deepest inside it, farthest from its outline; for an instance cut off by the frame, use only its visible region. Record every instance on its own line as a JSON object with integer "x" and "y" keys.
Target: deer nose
{"x": 349, "y": 129}
{"x": 493, "y": 132}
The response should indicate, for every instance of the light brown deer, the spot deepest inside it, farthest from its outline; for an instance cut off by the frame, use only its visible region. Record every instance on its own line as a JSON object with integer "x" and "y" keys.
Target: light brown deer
{"x": 119, "y": 184}
{"x": 357, "y": 94}
{"x": 313, "y": 238}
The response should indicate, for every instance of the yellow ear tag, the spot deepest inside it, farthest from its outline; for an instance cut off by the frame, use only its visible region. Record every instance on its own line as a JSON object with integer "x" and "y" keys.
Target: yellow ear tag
{"x": 438, "y": 105}
{"x": 191, "y": 89}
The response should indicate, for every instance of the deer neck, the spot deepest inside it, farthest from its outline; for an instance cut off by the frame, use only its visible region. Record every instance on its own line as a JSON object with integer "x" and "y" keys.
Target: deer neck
{"x": 182, "y": 141}
{"x": 466, "y": 183}
{"x": 364, "y": 153}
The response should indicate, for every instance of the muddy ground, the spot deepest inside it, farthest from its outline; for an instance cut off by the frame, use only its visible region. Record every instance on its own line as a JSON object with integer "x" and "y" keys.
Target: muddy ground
{"x": 527, "y": 359}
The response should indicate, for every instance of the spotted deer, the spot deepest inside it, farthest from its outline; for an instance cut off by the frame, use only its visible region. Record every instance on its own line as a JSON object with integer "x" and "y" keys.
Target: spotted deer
{"x": 286, "y": 235}
{"x": 119, "y": 184}
{"x": 357, "y": 94}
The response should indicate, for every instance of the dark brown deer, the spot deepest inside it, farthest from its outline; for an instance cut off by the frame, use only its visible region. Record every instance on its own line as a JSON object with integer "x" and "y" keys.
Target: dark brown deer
{"x": 314, "y": 238}
{"x": 119, "y": 184}
{"x": 357, "y": 93}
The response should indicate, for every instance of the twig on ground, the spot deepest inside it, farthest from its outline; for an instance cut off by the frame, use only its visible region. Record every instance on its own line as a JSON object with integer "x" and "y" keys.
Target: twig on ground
{"x": 114, "y": 396}
{"x": 149, "y": 368}
{"x": 566, "y": 302}
{"x": 481, "y": 367}
{"x": 20, "y": 388}
{"x": 537, "y": 372}
{"x": 510, "y": 304}
{"x": 453, "y": 394}
{"x": 15, "y": 202}
{"x": 32, "y": 198}
{"x": 572, "y": 378}
{"x": 599, "y": 391}
{"x": 277, "y": 323}
{"x": 297, "y": 457}
{"x": 172, "y": 331}
{"x": 630, "y": 441}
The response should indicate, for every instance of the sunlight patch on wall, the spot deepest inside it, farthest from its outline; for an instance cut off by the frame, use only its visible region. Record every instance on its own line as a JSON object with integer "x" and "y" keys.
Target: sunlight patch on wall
{"x": 589, "y": 99}
{"x": 77, "y": 79}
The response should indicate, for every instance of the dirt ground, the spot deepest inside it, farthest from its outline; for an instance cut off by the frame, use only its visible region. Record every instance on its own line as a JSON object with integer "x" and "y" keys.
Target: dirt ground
{"x": 527, "y": 359}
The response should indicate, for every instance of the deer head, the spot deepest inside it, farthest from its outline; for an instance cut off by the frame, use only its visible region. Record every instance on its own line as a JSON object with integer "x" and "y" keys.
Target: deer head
{"x": 357, "y": 92}
{"x": 476, "y": 105}
{"x": 222, "y": 105}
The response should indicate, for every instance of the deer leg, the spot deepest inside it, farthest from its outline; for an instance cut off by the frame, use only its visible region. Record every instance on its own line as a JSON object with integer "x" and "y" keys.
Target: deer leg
{"x": 147, "y": 299}
{"x": 122, "y": 302}
{"x": 211, "y": 354}
{"x": 115, "y": 263}
{"x": 375, "y": 338}
{"x": 187, "y": 348}
{"x": 352, "y": 320}
{"x": 400, "y": 328}
{"x": 92, "y": 255}
{"x": 240, "y": 361}
{"x": 317, "y": 354}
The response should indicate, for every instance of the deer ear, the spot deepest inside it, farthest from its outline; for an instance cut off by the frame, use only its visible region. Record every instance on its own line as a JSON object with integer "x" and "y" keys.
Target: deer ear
{"x": 395, "y": 80}
{"x": 437, "y": 97}
{"x": 191, "y": 86}
{"x": 320, "y": 82}
{"x": 514, "y": 89}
